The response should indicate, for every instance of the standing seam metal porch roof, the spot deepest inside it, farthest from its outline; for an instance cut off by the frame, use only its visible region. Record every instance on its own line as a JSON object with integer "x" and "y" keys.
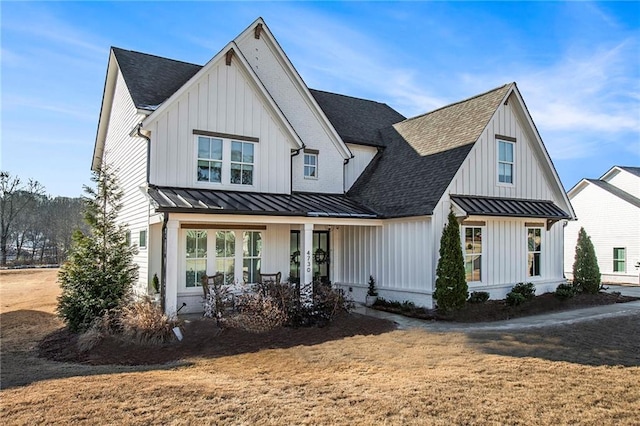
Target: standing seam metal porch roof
{"x": 511, "y": 207}
{"x": 189, "y": 200}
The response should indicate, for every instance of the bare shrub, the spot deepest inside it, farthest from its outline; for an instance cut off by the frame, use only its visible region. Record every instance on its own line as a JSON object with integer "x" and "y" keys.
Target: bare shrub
{"x": 89, "y": 339}
{"x": 258, "y": 313}
{"x": 144, "y": 322}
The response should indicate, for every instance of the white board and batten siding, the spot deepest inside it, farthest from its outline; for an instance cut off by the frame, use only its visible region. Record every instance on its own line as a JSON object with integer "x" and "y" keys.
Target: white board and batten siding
{"x": 299, "y": 108}
{"x": 611, "y": 223}
{"x": 396, "y": 254}
{"x": 126, "y": 156}
{"x": 505, "y": 239}
{"x": 223, "y": 100}
{"x": 362, "y": 156}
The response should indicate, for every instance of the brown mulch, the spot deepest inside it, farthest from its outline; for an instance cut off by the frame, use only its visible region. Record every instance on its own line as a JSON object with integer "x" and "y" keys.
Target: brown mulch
{"x": 498, "y": 310}
{"x": 202, "y": 338}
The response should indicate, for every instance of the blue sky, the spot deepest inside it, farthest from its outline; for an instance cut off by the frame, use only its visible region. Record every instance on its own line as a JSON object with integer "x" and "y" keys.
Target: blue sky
{"x": 577, "y": 65}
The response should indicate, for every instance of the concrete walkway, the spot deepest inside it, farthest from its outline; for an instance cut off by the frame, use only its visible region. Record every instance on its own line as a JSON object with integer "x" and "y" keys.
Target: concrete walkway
{"x": 545, "y": 320}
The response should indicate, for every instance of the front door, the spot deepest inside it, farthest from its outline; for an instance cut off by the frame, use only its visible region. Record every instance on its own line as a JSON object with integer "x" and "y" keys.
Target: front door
{"x": 321, "y": 260}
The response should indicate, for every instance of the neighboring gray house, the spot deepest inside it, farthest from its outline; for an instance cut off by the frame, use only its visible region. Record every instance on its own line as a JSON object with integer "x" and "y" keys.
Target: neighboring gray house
{"x": 609, "y": 210}
{"x": 238, "y": 167}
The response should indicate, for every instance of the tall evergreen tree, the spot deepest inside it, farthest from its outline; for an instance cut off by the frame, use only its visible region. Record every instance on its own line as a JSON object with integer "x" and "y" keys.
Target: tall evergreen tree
{"x": 451, "y": 284}
{"x": 99, "y": 273}
{"x": 586, "y": 273}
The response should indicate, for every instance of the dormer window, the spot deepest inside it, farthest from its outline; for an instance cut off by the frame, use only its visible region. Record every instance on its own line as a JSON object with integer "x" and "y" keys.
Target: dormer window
{"x": 506, "y": 161}
{"x": 310, "y": 164}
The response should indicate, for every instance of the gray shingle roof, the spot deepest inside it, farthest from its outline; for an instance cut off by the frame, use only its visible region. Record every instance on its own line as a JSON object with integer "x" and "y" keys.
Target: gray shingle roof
{"x": 152, "y": 79}
{"x": 616, "y": 191}
{"x": 422, "y": 156}
{"x": 356, "y": 120}
{"x": 632, "y": 170}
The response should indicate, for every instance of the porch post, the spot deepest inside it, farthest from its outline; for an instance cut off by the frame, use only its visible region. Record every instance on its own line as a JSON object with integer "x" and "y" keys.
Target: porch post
{"x": 306, "y": 287}
{"x": 171, "y": 292}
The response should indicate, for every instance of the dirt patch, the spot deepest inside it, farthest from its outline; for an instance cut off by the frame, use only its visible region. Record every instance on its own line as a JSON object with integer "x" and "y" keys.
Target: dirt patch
{"x": 202, "y": 338}
{"x": 498, "y": 310}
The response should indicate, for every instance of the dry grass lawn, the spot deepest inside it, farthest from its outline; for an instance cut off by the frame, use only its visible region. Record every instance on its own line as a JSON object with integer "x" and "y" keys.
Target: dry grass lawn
{"x": 582, "y": 374}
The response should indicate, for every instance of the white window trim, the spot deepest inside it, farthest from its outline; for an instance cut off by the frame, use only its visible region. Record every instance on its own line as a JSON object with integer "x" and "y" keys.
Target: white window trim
{"x": 211, "y": 256}
{"x": 482, "y": 255}
{"x": 146, "y": 239}
{"x": 225, "y": 182}
{"x": 304, "y": 165}
{"x": 513, "y": 163}
{"x": 624, "y": 260}
{"x": 542, "y": 248}
{"x": 197, "y": 149}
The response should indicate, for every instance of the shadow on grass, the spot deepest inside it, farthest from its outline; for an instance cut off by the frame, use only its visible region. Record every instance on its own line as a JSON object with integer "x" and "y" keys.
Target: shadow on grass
{"x": 22, "y": 334}
{"x": 202, "y": 339}
{"x": 603, "y": 342}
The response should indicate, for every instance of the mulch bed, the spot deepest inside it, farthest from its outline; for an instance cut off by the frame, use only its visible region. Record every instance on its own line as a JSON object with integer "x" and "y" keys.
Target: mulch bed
{"x": 202, "y": 338}
{"x": 497, "y": 310}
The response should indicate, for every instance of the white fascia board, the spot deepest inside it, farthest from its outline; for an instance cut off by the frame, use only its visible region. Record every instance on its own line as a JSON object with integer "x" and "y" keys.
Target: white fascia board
{"x": 301, "y": 86}
{"x": 611, "y": 173}
{"x": 577, "y": 188}
{"x": 551, "y": 170}
{"x": 105, "y": 110}
{"x": 220, "y": 56}
{"x": 265, "y": 220}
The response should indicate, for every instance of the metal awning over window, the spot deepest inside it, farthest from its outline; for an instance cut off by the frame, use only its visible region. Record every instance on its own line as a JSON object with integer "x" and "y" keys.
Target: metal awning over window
{"x": 184, "y": 200}
{"x": 512, "y": 207}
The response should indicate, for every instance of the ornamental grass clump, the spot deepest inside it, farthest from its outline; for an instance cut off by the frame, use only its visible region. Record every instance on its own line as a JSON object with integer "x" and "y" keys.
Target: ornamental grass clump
{"x": 143, "y": 321}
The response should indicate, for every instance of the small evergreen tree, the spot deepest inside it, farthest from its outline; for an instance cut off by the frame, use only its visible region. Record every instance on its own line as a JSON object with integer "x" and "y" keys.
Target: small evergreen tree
{"x": 586, "y": 273}
{"x": 99, "y": 272}
{"x": 451, "y": 285}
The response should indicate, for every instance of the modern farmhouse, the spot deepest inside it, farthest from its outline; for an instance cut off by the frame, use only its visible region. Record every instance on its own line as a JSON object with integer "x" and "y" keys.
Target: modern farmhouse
{"x": 237, "y": 167}
{"x": 609, "y": 210}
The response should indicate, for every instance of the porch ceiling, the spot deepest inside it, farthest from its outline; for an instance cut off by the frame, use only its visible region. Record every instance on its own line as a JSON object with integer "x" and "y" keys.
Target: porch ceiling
{"x": 512, "y": 207}
{"x": 189, "y": 200}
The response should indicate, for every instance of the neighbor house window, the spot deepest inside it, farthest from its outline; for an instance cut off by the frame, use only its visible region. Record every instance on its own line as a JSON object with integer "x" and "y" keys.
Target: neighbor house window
{"x": 225, "y": 255}
{"x": 209, "y": 159}
{"x": 251, "y": 255}
{"x": 534, "y": 251}
{"x": 142, "y": 239}
{"x": 473, "y": 253}
{"x": 196, "y": 257}
{"x": 619, "y": 260}
{"x": 311, "y": 166}
{"x": 127, "y": 238}
{"x": 505, "y": 162}
{"x": 242, "y": 163}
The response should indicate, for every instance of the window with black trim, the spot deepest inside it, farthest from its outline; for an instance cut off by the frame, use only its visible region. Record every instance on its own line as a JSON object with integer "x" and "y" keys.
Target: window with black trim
{"x": 619, "y": 259}
{"x": 472, "y": 246}
{"x": 534, "y": 252}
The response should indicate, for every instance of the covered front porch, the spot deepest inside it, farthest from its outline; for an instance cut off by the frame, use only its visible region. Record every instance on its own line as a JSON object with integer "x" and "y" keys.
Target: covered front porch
{"x": 244, "y": 235}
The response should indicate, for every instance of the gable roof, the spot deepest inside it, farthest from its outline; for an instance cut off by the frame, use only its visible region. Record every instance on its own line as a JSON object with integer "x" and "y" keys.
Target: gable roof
{"x": 632, "y": 170}
{"x": 356, "y": 120}
{"x": 422, "y": 156}
{"x": 152, "y": 79}
{"x": 623, "y": 195}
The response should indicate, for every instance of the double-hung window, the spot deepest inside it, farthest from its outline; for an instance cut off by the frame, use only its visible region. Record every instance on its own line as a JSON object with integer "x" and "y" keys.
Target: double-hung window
{"x": 505, "y": 162}
{"x": 311, "y": 165}
{"x": 242, "y": 163}
{"x": 473, "y": 253}
{"x": 619, "y": 259}
{"x": 209, "y": 159}
{"x": 251, "y": 255}
{"x": 226, "y": 254}
{"x": 534, "y": 251}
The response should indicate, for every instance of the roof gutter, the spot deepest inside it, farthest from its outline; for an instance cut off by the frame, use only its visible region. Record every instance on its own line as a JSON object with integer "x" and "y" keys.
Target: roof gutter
{"x": 294, "y": 152}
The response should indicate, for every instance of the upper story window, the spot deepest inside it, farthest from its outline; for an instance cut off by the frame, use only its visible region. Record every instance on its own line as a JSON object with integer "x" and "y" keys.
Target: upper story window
{"x": 225, "y": 158}
{"x": 142, "y": 239}
{"x": 242, "y": 163}
{"x": 311, "y": 165}
{"x": 209, "y": 159}
{"x": 619, "y": 259}
{"x": 506, "y": 162}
